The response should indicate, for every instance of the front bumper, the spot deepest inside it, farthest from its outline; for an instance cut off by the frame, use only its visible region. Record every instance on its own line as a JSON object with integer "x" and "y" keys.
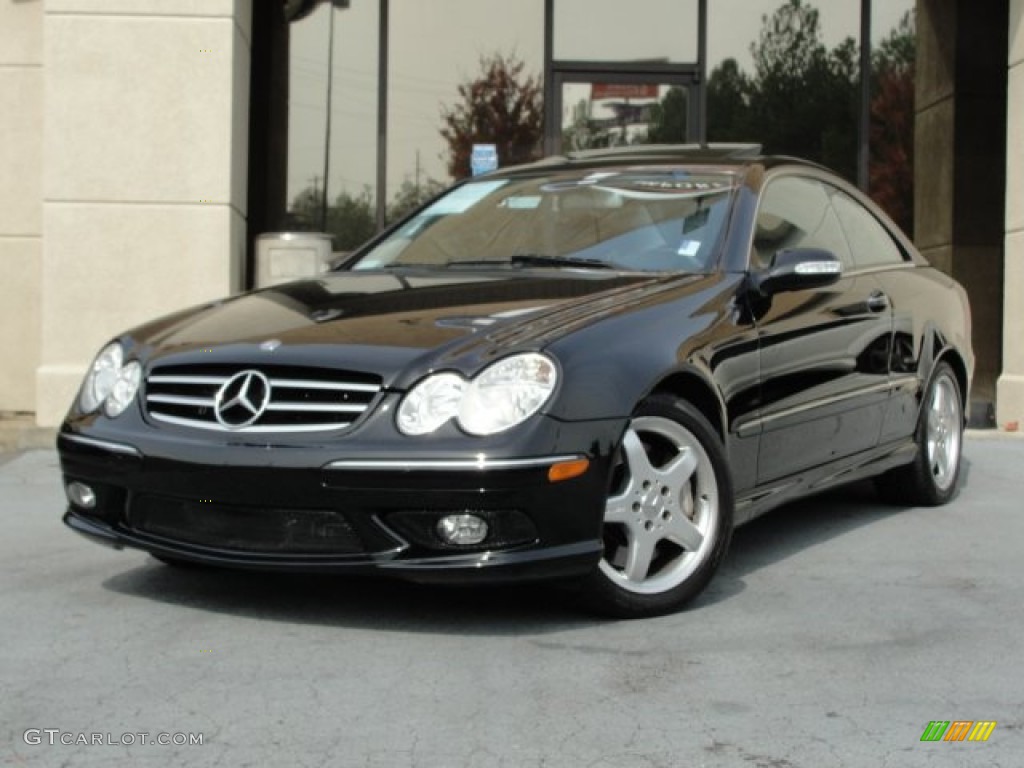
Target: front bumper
{"x": 313, "y": 510}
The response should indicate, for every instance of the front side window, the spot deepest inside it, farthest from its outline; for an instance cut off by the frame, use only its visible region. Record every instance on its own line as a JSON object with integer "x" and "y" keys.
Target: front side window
{"x": 797, "y": 213}
{"x": 636, "y": 221}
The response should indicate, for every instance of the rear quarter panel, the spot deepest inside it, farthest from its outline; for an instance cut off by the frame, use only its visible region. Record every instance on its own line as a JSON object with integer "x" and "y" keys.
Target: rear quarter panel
{"x": 931, "y": 320}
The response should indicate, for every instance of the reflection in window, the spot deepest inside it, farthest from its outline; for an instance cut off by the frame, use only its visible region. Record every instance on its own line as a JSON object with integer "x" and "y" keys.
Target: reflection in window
{"x": 871, "y": 244}
{"x": 785, "y": 73}
{"x": 433, "y": 49}
{"x": 597, "y": 115}
{"x": 623, "y": 220}
{"x": 332, "y": 123}
{"x": 785, "y": 86}
{"x": 436, "y": 48}
{"x": 797, "y": 213}
{"x": 637, "y": 31}
{"x": 891, "y": 172}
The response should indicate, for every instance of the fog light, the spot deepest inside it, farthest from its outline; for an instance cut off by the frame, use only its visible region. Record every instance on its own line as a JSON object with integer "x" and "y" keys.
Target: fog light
{"x": 462, "y": 530}
{"x": 81, "y": 495}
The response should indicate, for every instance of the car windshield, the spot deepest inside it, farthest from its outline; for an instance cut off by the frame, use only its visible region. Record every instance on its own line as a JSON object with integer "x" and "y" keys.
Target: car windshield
{"x": 650, "y": 220}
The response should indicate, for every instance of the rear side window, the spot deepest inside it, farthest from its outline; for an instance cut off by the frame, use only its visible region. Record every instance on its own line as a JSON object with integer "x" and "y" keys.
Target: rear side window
{"x": 870, "y": 242}
{"x": 797, "y": 213}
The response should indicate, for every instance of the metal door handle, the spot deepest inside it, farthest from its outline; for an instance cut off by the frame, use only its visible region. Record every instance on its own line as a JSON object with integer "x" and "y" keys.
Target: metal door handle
{"x": 877, "y": 302}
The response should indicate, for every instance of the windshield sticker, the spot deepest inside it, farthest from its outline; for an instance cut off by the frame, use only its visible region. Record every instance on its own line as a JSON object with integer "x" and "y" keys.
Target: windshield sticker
{"x": 521, "y": 202}
{"x": 465, "y": 197}
{"x": 689, "y": 248}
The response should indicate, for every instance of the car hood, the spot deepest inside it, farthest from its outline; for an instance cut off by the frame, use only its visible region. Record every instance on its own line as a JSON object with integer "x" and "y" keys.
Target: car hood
{"x": 384, "y": 322}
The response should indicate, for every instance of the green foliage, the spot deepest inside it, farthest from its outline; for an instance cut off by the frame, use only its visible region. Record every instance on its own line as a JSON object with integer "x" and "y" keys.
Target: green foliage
{"x": 897, "y": 53}
{"x": 668, "y": 118}
{"x": 728, "y": 104}
{"x": 891, "y": 172}
{"x": 350, "y": 218}
{"x": 803, "y": 99}
{"x": 500, "y": 106}
{"x": 411, "y": 196}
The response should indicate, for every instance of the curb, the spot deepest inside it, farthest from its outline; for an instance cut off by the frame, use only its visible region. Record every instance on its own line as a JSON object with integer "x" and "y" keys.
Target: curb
{"x": 18, "y": 432}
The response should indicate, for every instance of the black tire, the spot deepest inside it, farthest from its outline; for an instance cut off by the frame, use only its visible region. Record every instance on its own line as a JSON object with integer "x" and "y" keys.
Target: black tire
{"x": 933, "y": 477}
{"x": 667, "y": 525}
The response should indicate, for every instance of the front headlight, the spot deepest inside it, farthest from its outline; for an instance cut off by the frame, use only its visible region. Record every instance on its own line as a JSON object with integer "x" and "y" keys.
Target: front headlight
{"x": 500, "y": 397}
{"x": 431, "y": 403}
{"x": 125, "y": 387}
{"x": 110, "y": 383}
{"x": 507, "y": 393}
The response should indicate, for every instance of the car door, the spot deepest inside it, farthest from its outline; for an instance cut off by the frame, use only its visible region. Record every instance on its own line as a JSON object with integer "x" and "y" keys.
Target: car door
{"x": 823, "y": 351}
{"x": 912, "y": 294}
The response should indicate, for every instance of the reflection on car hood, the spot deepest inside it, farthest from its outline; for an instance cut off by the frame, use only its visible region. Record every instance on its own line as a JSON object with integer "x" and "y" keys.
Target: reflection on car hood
{"x": 383, "y": 321}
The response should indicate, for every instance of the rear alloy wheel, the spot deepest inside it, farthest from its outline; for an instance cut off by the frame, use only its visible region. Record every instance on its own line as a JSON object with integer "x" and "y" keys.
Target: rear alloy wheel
{"x": 668, "y": 517}
{"x": 932, "y": 478}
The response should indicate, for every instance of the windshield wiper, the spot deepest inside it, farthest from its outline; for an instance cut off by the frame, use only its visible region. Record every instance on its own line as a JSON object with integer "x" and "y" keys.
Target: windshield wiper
{"x": 535, "y": 260}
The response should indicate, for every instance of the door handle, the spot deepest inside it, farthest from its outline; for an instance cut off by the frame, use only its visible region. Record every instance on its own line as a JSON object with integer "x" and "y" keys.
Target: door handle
{"x": 877, "y": 302}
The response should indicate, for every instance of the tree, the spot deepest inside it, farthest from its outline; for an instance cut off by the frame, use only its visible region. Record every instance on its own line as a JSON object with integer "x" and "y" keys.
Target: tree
{"x": 668, "y": 118}
{"x": 501, "y": 106}
{"x": 803, "y": 98}
{"x": 350, "y": 219}
{"x": 410, "y": 196}
{"x": 728, "y": 103}
{"x": 891, "y": 170}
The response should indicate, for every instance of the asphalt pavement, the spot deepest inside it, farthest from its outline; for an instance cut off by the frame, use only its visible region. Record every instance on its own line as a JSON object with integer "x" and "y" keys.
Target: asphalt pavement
{"x": 837, "y": 630}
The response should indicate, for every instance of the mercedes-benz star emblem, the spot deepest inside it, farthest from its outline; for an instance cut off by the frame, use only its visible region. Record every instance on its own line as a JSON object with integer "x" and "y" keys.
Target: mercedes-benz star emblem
{"x": 242, "y": 399}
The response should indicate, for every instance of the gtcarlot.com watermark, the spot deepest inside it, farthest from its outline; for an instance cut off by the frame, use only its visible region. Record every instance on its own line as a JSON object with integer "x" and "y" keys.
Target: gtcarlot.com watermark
{"x": 56, "y": 737}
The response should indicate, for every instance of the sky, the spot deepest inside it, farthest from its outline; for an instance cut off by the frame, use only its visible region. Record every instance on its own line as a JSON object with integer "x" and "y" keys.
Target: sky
{"x": 437, "y": 44}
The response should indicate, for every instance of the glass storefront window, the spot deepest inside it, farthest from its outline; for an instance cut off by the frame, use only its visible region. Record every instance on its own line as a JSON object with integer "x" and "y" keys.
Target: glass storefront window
{"x": 435, "y": 48}
{"x": 786, "y": 75}
{"x": 623, "y": 111}
{"x": 332, "y": 134}
{"x": 640, "y": 30}
{"x": 891, "y": 160}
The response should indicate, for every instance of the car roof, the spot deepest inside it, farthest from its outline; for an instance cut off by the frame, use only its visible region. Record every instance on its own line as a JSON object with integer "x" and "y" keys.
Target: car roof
{"x": 722, "y": 155}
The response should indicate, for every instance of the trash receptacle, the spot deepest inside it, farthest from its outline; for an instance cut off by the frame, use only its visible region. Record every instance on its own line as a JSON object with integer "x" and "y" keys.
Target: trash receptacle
{"x": 284, "y": 256}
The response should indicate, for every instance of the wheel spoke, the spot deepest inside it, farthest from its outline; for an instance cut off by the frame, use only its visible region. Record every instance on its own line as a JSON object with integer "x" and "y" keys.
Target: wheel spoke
{"x": 683, "y": 532}
{"x": 636, "y": 456}
{"x": 934, "y": 421}
{"x": 936, "y": 458}
{"x": 942, "y": 457}
{"x": 679, "y": 471}
{"x": 618, "y": 509}
{"x": 641, "y": 552}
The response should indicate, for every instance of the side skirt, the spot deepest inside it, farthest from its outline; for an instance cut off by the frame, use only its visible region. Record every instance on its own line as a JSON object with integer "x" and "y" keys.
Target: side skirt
{"x": 847, "y": 470}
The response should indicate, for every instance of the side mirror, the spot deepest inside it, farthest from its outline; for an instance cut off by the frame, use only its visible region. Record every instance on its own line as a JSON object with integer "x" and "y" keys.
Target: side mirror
{"x": 798, "y": 269}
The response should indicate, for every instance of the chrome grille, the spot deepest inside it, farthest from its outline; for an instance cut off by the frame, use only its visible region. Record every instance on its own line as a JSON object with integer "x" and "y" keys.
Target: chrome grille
{"x": 299, "y": 399}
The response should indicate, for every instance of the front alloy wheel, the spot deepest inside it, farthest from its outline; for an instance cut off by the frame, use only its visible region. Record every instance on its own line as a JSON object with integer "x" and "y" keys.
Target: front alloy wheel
{"x": 668, "y": 517}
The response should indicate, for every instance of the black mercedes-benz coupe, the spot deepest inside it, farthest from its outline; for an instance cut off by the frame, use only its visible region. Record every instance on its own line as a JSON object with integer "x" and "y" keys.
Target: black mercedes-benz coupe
{"x": 590, "y": 368}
